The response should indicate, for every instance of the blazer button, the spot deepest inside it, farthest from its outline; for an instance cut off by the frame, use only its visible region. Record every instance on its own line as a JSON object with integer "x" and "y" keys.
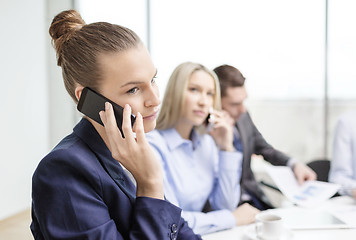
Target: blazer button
{"x": 173, "y": 236}
{"x": 174, "y": 228}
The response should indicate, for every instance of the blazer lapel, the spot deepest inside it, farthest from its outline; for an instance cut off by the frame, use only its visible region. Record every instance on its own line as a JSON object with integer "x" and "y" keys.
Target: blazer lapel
{"x": 241, "y": 127}
{"x": 90, "y": 136}
{"x": 117, "y": 173}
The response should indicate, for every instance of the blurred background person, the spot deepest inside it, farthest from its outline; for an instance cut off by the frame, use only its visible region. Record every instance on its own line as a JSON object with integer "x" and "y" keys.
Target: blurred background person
{"x": 343, "y": 164}
{"x": 199, "y": 167}
{"x": 249, "y": 140}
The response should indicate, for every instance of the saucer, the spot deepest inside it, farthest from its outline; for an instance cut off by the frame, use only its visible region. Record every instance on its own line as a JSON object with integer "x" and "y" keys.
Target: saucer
{"x": 250, "y": 233}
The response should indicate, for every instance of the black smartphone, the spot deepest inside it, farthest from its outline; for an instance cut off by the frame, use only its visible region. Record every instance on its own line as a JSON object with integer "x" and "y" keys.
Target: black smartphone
{"x": 209, "y": 125}
{"x": 91, "y": 103}
{"x": 206, "y": 121}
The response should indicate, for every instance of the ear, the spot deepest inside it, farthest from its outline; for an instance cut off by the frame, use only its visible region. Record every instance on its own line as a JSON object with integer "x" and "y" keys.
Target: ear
{"x": 78, "y": 91}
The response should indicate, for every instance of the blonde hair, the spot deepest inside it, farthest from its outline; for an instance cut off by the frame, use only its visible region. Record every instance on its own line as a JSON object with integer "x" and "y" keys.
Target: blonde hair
{"x": 173, "y": 101}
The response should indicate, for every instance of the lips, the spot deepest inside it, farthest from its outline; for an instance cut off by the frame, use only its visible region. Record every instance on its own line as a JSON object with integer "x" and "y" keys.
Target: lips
{"x": 200, "y": 113}
{"x": 151, "y": 117}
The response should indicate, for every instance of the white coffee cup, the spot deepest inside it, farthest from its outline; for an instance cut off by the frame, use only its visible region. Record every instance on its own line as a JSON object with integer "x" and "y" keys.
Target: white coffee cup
{"x": 269, "y": 226}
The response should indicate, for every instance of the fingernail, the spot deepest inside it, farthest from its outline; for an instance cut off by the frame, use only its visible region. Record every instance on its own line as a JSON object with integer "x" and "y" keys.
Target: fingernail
{"x": 107, "y": 105}
{"x": 127, "y": 107}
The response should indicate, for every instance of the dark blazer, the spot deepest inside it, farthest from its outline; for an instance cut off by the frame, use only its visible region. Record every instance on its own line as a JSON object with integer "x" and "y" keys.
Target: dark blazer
{"x": 254, "y": 143}
{"x": 80, "y": 192}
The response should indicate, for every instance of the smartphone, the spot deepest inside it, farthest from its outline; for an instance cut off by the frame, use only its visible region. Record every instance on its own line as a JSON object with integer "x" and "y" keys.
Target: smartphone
{"x": 209, "y": 125}
{"x": 206, "y": 121}
{"x": 91, "y": 103}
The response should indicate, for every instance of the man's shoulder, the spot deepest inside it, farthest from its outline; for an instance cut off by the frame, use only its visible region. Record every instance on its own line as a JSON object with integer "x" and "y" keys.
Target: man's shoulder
{"x": 245, "y": 122}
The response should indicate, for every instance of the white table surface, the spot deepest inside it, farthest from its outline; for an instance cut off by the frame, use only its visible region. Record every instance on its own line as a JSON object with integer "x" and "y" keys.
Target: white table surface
{"x": 314, "y": 234}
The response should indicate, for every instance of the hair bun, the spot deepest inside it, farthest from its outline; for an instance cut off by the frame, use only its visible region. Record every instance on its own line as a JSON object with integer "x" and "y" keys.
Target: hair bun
{"x": 63, "y": 26}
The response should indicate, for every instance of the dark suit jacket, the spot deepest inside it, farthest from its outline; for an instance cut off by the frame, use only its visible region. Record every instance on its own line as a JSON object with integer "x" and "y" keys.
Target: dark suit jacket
{"x": 254, "y": 143}
{"x": 80, "y": 192}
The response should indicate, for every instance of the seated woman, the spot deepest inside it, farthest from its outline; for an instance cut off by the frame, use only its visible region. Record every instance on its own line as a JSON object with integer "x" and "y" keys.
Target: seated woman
{"x": 343, "y": 164}
{"x": 199, "y": 167}
{"x": 80, "y": 189}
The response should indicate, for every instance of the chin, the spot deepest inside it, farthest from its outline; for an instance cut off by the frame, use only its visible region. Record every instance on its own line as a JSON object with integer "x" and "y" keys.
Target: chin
{"x": 149, "y": 127}
{"x": 199, "y": 122}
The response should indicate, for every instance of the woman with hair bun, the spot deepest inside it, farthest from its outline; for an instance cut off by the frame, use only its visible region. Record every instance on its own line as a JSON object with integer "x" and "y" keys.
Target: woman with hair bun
{"x": 83, "y": 189}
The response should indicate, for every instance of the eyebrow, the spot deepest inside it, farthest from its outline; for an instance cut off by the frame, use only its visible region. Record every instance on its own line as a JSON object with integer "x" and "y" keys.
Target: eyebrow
{"x": 136, "y": 82}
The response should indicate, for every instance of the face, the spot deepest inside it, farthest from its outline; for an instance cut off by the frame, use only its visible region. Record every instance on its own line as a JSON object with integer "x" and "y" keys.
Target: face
{"x": 233, "y": 102}
{"x": 198, "y": 99}
{"x": 129, "y": 78}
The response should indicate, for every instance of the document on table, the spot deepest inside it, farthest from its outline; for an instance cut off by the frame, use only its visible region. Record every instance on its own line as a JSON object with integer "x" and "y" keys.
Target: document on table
{"x": 309, "y": 194}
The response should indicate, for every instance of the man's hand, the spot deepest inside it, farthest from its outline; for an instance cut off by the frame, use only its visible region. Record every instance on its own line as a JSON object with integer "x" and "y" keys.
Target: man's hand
{"x": 303, "y": 173}
{"x": 245, "y": 214}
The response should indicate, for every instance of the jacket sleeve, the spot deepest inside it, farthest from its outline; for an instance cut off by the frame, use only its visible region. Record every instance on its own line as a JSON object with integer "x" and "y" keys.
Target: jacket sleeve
{"x": 151, "y": 217}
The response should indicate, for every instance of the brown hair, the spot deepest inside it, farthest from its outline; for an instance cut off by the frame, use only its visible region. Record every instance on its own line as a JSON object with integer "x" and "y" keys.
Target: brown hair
{"x": 229, "y": 76}
{"x": 78, "y": 46}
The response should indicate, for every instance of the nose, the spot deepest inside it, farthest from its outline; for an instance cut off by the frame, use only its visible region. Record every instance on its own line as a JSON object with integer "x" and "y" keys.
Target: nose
{"x": 203, "y": 99}
{"x": 152, "y": 97}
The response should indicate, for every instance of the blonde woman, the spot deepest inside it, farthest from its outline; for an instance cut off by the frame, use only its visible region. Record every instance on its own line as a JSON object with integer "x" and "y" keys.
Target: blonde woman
{"x": 198, "y": 166}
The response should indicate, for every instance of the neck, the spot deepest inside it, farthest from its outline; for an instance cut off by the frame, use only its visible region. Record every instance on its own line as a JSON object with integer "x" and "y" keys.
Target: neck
{"x": 183, "y": 129}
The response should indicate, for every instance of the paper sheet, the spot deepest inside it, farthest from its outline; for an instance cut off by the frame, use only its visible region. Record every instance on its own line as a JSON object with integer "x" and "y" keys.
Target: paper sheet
{"x": 309, "y": 194}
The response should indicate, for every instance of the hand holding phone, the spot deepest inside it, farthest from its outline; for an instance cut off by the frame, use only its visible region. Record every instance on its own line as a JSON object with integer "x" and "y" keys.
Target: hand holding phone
{"x": 91, "y": 103}
{"x": 209, "y": 121}
{"x": 222, "y": 131}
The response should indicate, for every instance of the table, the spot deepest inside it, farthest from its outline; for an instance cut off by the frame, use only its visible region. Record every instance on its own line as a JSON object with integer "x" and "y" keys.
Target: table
{"x": 334, "y": 204}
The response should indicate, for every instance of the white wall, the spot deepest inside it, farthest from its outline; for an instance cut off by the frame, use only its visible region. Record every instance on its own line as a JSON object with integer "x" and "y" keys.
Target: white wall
{"x": 23, "y": 99}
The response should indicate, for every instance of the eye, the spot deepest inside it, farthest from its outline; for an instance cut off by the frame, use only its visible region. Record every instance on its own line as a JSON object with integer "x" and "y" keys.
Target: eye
{"x": 193, "y": 89}
{"x": 132, "y": 90}
{"x": 153, "y": 81}
{"x": 211, "y": 94}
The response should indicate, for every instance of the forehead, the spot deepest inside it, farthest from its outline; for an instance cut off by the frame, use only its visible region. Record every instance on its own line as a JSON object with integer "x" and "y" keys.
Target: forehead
{"x": 202, "y": 79}
{"x": 236, "y": 94}
{"x": 133, "y": 64}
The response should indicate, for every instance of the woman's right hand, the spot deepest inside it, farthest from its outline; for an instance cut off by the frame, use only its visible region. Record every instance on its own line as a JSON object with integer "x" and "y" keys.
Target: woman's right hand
{"x": 222, "y": 131}
{"x": 135, "y": 154}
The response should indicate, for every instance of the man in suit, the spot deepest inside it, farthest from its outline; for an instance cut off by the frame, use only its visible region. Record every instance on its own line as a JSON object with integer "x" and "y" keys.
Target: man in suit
{"x": 249, "y": 140}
